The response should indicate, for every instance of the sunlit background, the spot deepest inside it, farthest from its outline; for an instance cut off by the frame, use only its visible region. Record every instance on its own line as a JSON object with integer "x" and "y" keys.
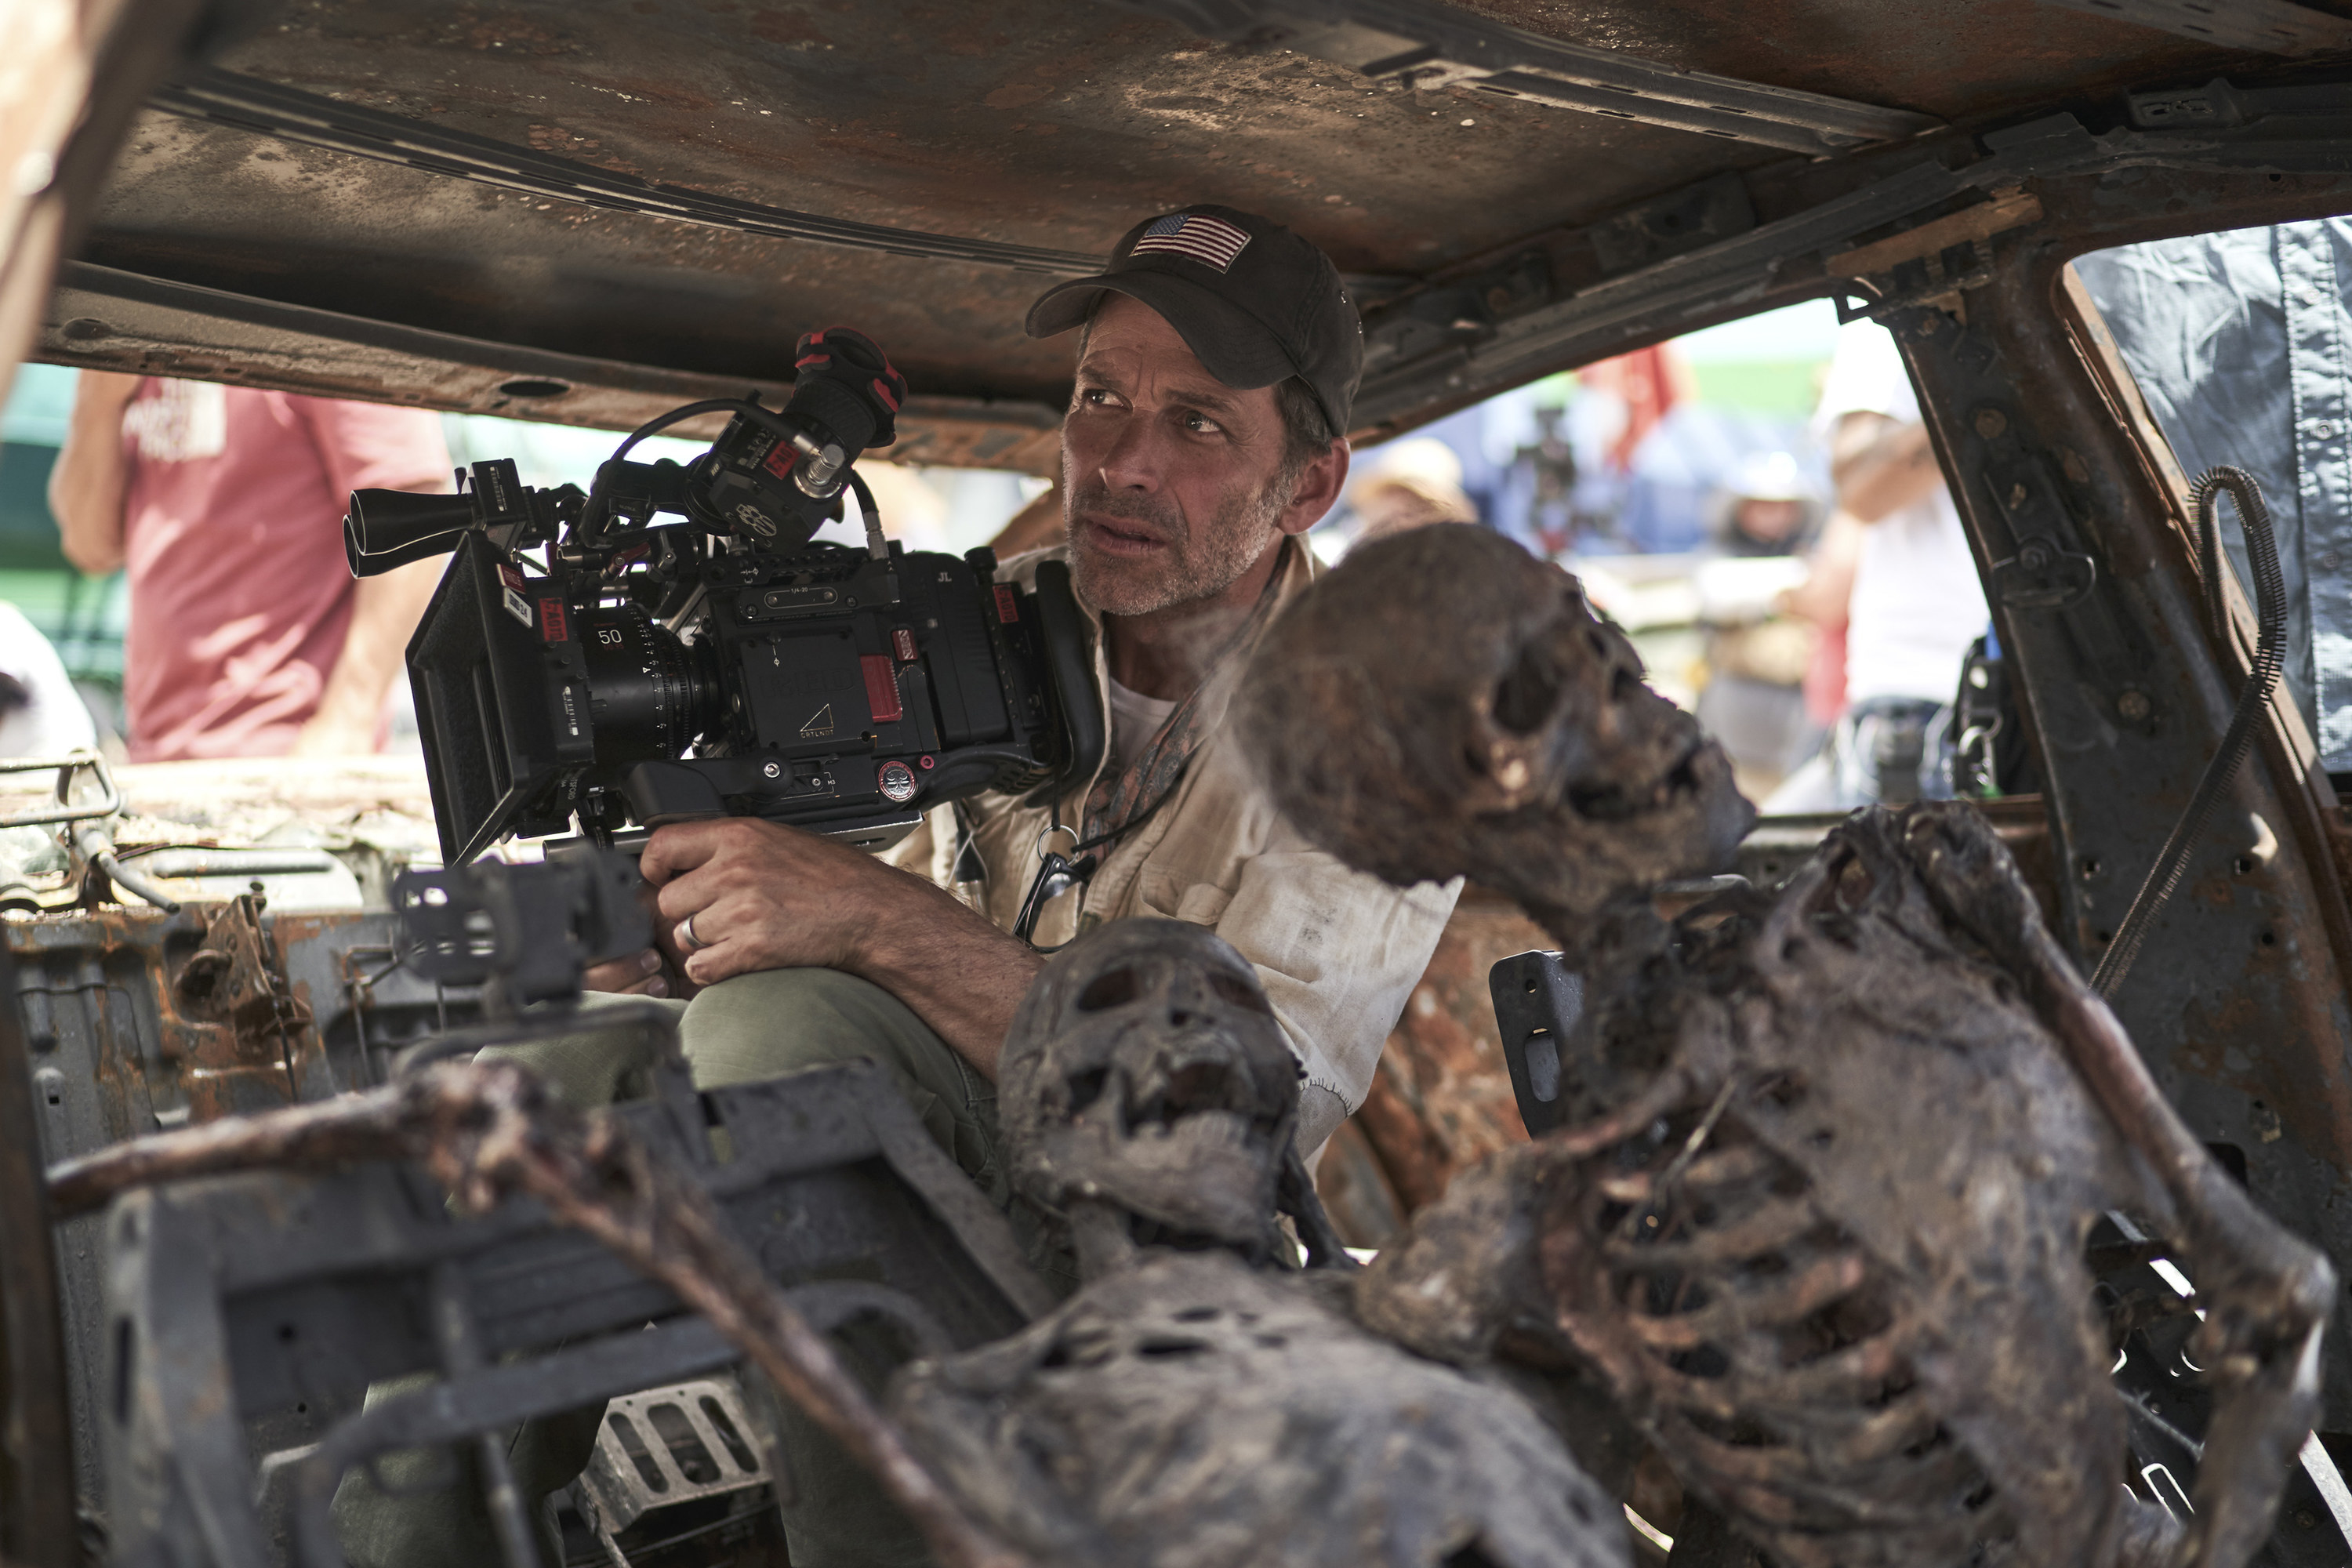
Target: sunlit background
{"x": 1620, "y": 469}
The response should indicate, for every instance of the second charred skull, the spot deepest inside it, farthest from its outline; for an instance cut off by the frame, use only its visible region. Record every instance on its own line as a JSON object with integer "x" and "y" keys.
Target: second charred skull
{"x": 1165, "y": 1092}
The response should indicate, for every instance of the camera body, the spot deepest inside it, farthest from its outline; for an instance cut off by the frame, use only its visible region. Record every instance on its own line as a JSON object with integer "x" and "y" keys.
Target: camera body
{"x": 643, "y": 672}
{"x": 822, "y": 687}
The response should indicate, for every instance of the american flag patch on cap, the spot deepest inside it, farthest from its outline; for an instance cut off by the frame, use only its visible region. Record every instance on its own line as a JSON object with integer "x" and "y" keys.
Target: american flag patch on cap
{"x": 1210, "y": 241}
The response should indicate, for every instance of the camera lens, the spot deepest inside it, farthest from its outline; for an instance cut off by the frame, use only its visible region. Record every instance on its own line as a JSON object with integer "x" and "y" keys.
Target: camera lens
{"x": 647, "y": 691}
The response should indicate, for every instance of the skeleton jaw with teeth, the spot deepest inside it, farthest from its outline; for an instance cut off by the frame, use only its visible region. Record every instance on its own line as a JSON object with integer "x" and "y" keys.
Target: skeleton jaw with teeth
{"x": 1159, "y": 1105}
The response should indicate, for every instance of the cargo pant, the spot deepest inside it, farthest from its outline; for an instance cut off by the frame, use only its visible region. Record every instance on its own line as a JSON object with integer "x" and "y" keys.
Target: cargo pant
{"x": 752, "y": 1028}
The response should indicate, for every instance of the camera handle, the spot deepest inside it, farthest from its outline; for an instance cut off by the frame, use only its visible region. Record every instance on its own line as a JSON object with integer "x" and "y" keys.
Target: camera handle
{"x": 845, "y": 389}
{"x": 598, "y": 511}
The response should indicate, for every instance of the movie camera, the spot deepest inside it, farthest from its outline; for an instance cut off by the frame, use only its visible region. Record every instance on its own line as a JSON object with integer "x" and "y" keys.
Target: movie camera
{"x": 584, "y": 660}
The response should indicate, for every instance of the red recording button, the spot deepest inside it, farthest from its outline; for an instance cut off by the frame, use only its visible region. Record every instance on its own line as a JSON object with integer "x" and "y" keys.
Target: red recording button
{"x": 903, "y": 639}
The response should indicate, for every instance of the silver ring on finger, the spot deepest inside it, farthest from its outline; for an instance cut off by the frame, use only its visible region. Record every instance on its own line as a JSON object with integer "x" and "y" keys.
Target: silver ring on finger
{"x": 687, "y": 937}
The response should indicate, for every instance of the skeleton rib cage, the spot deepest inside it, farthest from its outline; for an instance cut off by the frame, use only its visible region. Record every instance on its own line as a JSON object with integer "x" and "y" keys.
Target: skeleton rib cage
{"x": 1778, "y": 1356}
{"x": 1829, "y": 1248}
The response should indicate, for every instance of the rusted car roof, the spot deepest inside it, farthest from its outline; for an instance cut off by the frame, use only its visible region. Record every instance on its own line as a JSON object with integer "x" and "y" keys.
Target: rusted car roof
{"x": 468, "y": 190}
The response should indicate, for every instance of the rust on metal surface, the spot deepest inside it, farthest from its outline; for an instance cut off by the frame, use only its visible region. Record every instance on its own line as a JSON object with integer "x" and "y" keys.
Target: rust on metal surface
{"x": 1997, "y": 216}
{"x": 99, "y": 319}
{"x": 236, "y": 979}
{"x": 1013, "y": 121}
{"x": 190, "y": 1017}
{"x": 2243, "y": 1018}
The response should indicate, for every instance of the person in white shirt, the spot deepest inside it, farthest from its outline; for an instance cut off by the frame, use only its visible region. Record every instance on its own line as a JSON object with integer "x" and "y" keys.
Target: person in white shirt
{"x": 1916, "y": 602}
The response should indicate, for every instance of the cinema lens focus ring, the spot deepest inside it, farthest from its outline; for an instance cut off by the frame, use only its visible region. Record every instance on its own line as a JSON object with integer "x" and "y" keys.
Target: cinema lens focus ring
{"x": 646, "y": 691}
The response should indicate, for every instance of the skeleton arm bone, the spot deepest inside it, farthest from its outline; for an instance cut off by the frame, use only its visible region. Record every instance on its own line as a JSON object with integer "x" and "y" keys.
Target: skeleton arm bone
{"x": 2266, "y": 1294}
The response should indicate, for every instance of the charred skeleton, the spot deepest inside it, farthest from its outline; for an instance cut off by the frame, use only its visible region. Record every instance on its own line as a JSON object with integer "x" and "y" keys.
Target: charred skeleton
{"x": 1199, "y": 1407}
{"x": 1818, "y": 1215}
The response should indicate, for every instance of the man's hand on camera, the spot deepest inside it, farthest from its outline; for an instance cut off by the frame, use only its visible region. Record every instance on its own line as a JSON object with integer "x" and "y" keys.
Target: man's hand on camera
{"x": 764, "y": 896}
{"x": 738, "y": 895}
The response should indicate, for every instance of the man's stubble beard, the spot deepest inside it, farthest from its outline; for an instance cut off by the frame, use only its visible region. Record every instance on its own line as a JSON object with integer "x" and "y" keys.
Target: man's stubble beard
{"x": 1193, "y": 569}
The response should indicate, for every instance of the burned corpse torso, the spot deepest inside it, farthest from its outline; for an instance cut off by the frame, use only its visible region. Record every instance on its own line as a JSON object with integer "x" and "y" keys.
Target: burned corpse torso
{"x": 1190, "y": 1411}
{"x": 1819, "y": 1208}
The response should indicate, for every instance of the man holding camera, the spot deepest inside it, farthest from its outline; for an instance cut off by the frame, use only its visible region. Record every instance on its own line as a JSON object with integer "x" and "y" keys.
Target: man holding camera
{"x": 1218, "y": 358}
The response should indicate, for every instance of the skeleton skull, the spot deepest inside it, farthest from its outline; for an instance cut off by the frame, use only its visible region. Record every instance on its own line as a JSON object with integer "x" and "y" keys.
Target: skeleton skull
{"x": 1144, "y": 1073}
{"x": 1444, "y": 703}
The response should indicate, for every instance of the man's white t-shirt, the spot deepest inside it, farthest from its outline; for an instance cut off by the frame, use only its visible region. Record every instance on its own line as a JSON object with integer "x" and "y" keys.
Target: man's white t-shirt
{"x": 1918, "y": 601}
{"x": 1134, "y": 720}
{"x": 52, "y": 722}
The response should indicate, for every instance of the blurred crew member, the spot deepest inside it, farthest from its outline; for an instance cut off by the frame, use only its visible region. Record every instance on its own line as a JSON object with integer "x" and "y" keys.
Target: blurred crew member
{"x": 1757, "y": 653}
{"x": 249, "y": 636}
{"x": 1767, "y": 509}
{"x": 1916, "y": 602}
{"x": 1410, "y": 484}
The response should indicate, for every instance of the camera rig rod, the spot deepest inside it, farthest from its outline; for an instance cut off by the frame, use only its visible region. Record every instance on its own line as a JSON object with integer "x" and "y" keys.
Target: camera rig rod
{"x": 488, "y": 1132}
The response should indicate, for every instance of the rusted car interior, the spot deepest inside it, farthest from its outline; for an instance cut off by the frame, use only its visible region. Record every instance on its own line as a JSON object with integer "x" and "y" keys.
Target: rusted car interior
{"x": 590, "y": 213}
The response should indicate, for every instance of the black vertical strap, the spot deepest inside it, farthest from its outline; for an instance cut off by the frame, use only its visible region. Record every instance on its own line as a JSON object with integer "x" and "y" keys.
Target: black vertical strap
{"x": 2253, "y": 701}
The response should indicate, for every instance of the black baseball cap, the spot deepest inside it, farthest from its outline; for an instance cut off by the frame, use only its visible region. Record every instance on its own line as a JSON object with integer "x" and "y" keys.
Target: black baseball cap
{"x": 1256, "y": 302}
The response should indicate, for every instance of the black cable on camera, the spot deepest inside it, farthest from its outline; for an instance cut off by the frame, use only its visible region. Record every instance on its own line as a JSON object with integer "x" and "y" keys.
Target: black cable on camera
{"x": 598, "y": 511}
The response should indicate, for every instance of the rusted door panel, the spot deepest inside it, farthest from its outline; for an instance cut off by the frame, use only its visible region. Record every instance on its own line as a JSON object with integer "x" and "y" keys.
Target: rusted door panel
{"x": 36, "y": 1481}
{"x": 101, "y": 1004}
{"x": 112, "y": 1057}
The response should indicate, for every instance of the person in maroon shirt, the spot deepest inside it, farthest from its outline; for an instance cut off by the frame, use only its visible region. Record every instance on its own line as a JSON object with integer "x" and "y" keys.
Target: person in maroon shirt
{"x": 248, "y": 635}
